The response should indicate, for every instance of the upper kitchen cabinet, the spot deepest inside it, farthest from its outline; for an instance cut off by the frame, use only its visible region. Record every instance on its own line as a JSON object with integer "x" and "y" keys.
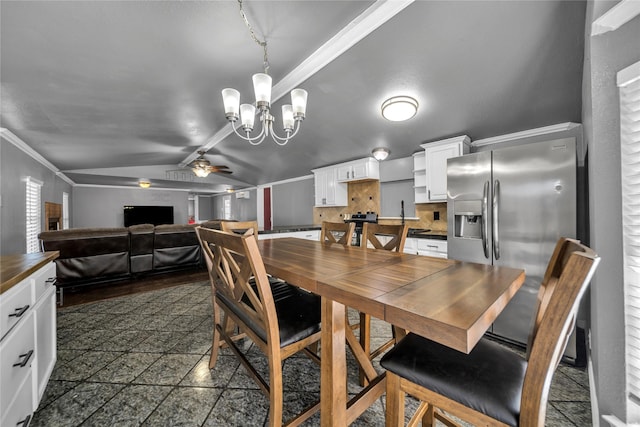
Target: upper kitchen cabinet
{"x": 430, "y": 169}
{"x": 329, "y": 192}
{"x": 358, "y": 170}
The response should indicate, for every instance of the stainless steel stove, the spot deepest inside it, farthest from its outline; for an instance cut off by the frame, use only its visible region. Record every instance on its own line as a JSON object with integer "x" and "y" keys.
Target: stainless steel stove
{"x": 359, "y": 219}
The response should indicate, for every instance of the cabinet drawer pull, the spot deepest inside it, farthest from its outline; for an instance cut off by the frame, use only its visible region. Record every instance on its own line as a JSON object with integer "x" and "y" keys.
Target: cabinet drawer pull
{"x": 433, "y": 246}
{"x": 25, "y": 359}
{"x": 18, "y": 312}
{"x": 24, "y": 422}
{"x": 51, "y": 281}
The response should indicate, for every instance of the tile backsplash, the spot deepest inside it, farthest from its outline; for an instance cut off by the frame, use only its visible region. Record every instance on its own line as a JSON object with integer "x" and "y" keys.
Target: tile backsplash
{"x": 365, "y": 196}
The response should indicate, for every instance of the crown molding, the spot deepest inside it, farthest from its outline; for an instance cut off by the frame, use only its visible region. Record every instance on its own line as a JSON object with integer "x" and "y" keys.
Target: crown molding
{"x": 462, "y": 138}
{"x": 616, "y": 17}
{"x": 13, "y": 139}
{"x": 546, "y": 130}
{"x": 364, "y": 24}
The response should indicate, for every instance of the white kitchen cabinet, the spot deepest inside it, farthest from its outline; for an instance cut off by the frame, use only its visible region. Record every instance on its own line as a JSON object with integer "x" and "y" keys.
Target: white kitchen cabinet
{"x": 410, "y": 246}
{"x": 27, "y": 345}
{"x": 357, "y": 170}
{"x": 436, "y": 154}
{"x": 308, "y": 235}
{"x": 419, "y": 178}
{"x": 432, "y": 247}
{"x": 328, "y": 191}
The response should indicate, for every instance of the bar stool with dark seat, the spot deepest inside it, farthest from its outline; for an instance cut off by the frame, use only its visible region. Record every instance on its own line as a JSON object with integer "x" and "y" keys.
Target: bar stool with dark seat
{"x": 280, "y": 319}
{"x": 493, "y": 385}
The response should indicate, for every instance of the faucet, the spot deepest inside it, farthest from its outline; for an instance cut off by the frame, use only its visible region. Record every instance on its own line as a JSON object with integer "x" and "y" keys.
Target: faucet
{"x": 402, "y": 211}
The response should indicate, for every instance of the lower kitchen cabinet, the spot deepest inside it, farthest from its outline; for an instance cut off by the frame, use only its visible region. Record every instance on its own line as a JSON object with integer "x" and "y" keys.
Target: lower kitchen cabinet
{"x": 432, "y": 247}
{"x": 27, "y": 344}
{"x": 309, "y": 235}
{"x": 427, "y": 247}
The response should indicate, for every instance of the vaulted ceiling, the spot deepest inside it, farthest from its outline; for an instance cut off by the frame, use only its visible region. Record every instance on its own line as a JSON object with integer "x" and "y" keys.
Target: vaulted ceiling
{"x": 110, "y": 92}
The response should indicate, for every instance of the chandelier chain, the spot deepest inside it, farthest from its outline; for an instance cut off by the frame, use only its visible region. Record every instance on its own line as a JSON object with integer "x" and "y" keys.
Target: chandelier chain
{"x": 255, "y": 38}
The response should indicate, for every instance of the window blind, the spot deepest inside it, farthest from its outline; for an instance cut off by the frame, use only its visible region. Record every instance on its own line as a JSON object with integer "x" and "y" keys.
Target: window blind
{"x": 630, "y": 174}
{"x": 33, "y": 214}
{"x": 65, "y": 211}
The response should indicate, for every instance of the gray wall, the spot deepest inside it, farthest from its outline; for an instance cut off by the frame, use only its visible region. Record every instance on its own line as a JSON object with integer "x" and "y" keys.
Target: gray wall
{"x": 605, "y": 55}
{"x": 103, "y": 206}
{"x": 205, "y": 208}
{"x": 241, "y": 209}
{"x": 396, "y": 184}
{"x": 15, "y": 166}
{"x": 292, "y": 203}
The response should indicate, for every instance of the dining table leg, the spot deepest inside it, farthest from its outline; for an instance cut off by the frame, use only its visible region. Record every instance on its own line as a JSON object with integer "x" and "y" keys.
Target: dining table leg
{"x": 333, "y": 372}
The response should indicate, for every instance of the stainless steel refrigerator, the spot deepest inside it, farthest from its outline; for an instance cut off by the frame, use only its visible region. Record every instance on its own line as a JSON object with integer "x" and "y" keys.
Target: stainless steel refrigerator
{"x": 508, "y": 207}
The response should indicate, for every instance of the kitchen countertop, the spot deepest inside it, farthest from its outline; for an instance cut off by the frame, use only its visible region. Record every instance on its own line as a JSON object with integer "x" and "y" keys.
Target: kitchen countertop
{"x": 289, "y": 229}
{"x": 15, "y": 268}
{"x": 419, "y": 233}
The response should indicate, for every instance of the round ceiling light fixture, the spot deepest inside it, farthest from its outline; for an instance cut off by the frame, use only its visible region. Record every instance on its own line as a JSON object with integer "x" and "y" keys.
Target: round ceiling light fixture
{"x": 399, "y": 108}
{"x": 380, "y": 153}
{"x": 144, "y": 183}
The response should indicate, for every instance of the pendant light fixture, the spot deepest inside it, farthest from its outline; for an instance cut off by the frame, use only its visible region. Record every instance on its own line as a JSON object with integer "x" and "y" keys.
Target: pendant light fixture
{"x": 292, "y": 114}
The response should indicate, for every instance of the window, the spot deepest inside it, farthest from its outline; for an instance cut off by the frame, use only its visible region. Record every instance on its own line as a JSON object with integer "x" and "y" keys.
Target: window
{"x": 33, "y": 214}
{"x": 65, "y": 211}
{"x": 629, "y": 84}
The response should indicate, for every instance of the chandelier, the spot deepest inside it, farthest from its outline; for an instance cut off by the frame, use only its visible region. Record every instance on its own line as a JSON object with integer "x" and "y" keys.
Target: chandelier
{"x": 292, "y": 114}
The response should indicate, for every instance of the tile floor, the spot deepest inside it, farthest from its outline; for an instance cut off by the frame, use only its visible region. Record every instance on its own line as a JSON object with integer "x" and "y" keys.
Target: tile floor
{"x": 142, "y": 360}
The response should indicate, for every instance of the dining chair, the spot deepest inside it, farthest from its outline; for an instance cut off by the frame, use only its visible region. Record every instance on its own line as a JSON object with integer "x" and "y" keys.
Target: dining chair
{"x": 234, "y": 226}
{"x": 492, "y": 385}
{"x": 337, "y": 232}
{"x": 371, "y": 235}
{"x": 280, "y": 319}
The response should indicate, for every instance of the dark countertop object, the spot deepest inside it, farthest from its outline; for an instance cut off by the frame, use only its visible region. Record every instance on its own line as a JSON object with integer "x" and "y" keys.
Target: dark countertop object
{"x": 289, "y": 229}
{"x": 422, "y": 233}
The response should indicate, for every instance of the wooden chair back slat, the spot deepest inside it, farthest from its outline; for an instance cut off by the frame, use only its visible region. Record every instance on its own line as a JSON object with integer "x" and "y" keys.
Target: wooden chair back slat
{"x": 371, "y": 231}
{"x": 567, "y": 277}
{"x": 344, "y": 229}
{"x": 232, "y": 226}
{"x": 236, "y": 259}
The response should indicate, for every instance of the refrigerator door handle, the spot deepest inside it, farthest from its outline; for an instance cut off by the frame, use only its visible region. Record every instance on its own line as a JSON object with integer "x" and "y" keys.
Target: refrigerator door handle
{"x": 485, "y": 217}
{"x": 496, "y": 221}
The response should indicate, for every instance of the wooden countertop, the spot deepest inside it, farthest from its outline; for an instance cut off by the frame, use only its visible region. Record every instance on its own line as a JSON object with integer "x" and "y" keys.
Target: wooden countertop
{"x": 15, "y": 268}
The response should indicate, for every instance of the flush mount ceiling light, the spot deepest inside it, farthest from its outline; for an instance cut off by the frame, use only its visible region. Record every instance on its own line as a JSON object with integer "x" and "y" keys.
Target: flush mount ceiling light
{"x": 399, "y": 108}
{"x": 292, "y": 115}
{"x": 380, "y": 153}
{"x": 144, "y": 183}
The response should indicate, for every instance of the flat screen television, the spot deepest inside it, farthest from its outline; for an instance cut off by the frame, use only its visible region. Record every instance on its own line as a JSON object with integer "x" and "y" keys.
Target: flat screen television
{"x": 155, "y": 215}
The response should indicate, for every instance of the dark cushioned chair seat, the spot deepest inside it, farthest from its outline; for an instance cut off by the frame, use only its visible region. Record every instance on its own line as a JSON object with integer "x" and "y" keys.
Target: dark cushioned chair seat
{"x": 489, "y": 379}
{"x": 298, "y": 312}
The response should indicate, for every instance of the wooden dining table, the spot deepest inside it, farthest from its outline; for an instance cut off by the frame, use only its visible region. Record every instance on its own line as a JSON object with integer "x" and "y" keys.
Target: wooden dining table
{"x": 448, "y": 301}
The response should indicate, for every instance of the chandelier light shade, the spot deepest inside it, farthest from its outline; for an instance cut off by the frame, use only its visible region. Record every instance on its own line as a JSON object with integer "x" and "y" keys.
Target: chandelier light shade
{"x": 380, "y": 153}
{"x": 292, "y": 114}
{"x": 399, "y": 108}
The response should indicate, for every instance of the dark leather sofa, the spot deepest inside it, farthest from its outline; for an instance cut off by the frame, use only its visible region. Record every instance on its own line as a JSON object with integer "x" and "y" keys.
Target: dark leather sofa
{"x": 98, "y": 255}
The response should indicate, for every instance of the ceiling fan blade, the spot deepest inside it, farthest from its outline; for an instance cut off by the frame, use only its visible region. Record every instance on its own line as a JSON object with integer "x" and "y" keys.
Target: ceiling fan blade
{"x": 221, "y": 171}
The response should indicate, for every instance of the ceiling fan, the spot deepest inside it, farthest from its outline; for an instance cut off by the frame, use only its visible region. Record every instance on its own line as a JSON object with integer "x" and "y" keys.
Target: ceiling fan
{"x": 201, "y": 167}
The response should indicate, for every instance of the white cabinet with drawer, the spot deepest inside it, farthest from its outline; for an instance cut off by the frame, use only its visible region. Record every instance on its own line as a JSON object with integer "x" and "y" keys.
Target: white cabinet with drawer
{"x": 308, "y": 235}
{"x": 432, "y": 247}
{"x": 27, "y": 344}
